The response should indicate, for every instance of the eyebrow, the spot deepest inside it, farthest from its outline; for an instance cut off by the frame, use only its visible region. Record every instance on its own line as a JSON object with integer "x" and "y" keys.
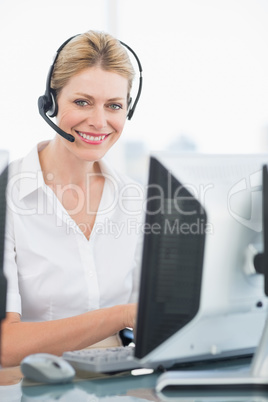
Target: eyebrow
{"x": 84, "y": 95}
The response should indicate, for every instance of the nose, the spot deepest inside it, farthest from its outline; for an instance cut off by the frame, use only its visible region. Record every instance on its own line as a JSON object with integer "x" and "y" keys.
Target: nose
{"x": 97, "y": 118}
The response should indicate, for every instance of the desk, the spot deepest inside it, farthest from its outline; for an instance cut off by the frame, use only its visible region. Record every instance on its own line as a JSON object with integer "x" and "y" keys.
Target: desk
{"x": 124, "y": 388}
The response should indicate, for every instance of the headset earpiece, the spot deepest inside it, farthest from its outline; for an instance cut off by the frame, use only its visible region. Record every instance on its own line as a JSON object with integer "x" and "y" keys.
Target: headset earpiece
{"x": 48, "y": 105}
{"x": 129, "y": 105}
{"x": 43, "y": 104}
{"x": 53, "y": 106}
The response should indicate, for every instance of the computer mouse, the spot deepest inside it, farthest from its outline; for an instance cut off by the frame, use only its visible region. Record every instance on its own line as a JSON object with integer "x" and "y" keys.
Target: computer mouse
{"x": 47, "y": 368}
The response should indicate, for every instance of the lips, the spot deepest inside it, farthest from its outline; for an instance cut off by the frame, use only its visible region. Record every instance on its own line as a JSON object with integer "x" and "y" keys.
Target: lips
{"x": 92, "y": 138}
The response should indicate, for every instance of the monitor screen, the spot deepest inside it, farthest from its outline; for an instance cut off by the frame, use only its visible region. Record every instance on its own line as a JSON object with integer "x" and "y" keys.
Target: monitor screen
{"x": 200, "y": 294}
{"x": 172, "y": 265}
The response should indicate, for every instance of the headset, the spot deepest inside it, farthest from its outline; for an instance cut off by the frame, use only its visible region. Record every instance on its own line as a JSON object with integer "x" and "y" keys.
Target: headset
{"x": 47, "y": 103}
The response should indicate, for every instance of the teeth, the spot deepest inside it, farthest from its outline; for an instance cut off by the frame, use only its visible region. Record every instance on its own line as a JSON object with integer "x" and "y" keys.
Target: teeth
{"x": 91, "y": 138}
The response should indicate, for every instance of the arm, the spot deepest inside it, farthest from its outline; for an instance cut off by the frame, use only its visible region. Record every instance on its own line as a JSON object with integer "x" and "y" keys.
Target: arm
{"x": 20, "y": 339}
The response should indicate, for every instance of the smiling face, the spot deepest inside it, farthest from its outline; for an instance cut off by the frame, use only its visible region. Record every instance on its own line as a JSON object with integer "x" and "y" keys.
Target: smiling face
{"x": 92, "y": 107}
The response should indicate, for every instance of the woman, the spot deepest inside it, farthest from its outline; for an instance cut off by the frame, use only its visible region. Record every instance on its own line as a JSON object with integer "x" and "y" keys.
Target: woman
{"x": 73, "y": 226}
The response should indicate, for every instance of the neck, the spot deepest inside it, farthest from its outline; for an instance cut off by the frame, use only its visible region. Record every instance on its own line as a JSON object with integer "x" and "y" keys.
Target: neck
{"x": 64, "y": 167}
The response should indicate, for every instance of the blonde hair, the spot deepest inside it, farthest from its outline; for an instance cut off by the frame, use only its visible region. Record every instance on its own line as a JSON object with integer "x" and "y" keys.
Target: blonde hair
{"x": 91, "y": 49}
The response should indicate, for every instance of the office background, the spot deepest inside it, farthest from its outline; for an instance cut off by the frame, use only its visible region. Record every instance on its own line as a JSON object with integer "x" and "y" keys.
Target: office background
{"x": 205, "y": 66}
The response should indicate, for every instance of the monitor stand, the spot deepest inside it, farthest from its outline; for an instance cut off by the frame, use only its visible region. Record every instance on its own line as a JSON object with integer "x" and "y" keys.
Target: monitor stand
{"x": 254, "y": 375}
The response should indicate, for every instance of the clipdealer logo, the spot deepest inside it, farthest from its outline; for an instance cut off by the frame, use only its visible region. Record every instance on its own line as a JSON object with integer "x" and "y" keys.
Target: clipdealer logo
{"x": 128, "y": 197}
{"x": 248, "y": 193}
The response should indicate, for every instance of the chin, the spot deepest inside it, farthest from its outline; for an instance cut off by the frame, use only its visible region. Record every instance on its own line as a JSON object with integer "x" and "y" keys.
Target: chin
{"x": 91, "y": 156}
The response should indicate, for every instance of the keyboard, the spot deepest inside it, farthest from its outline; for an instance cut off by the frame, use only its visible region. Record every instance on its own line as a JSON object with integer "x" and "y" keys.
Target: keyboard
{"x": 105, "y": 360}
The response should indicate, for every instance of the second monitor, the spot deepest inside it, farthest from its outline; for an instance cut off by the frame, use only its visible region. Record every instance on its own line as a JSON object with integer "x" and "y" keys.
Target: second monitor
{"x": 206, "y": 214}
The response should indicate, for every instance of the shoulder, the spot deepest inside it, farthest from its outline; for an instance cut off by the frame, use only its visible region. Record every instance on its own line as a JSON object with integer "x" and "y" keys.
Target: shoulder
{"x": 15, "y": 166}
{"x": 124, "y": 183}
{"x": 24, "y": 174}
{"x": 122, "y": 180}
{"x": 129, "y": 193}
{"x": 27, "y": 163}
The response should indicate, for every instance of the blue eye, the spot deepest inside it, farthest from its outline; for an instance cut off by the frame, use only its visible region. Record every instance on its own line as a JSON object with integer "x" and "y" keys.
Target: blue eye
{"x": 81, "y": 103}
{"x": 115, "y": 106}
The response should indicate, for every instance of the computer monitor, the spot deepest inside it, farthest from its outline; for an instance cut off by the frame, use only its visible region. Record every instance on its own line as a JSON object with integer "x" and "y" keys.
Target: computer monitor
{"x": 200, "y": 295}
{"x": 3, "y": 184}
{"x": 261, "y": 259}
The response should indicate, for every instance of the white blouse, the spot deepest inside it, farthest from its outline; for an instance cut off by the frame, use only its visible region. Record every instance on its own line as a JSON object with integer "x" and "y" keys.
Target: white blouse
{"x": 53, "y": 271}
